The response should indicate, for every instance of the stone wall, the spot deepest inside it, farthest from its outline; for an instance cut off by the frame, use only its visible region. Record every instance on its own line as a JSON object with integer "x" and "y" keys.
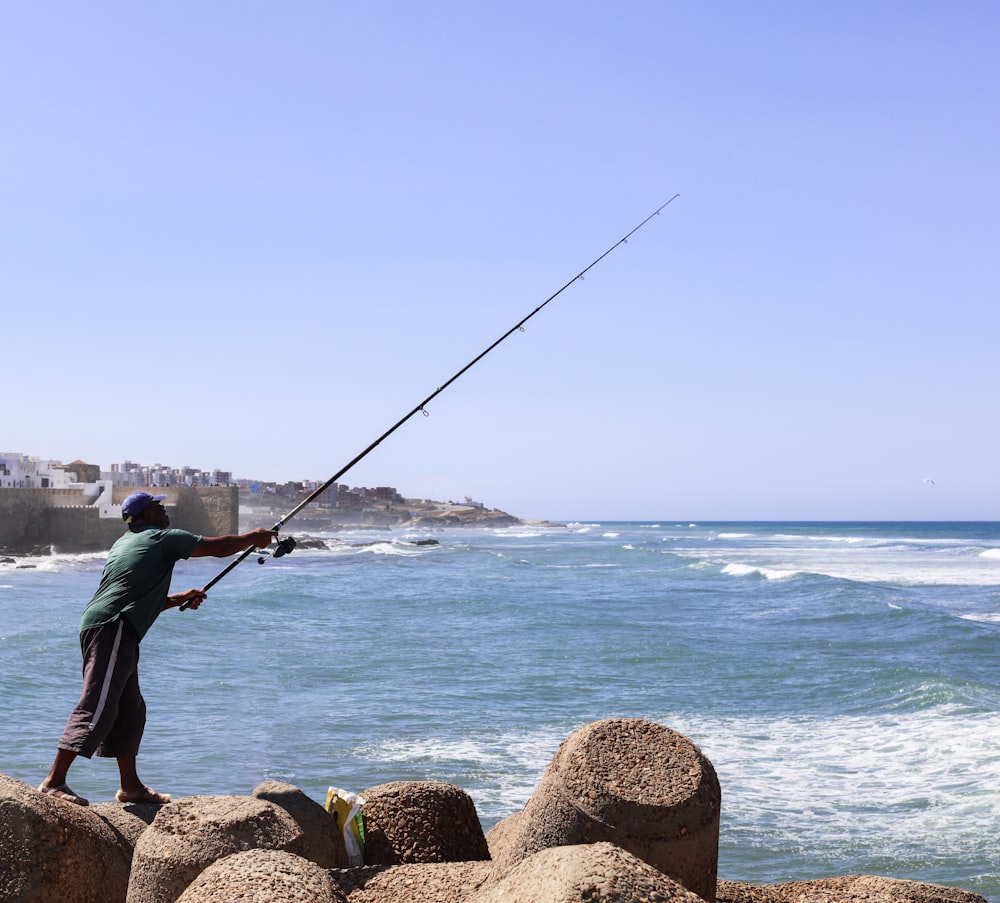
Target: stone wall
{"x": 37, "y": 519}
{"x": 22, "y": 517}
{"x": 210, "y": 511}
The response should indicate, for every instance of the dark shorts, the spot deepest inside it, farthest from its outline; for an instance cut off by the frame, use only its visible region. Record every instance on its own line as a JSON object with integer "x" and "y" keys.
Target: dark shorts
{"x": 110, "y": 717}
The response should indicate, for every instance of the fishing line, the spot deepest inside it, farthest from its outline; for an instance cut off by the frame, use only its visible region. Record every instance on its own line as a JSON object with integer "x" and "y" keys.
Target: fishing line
{"x": 286, "y": 545}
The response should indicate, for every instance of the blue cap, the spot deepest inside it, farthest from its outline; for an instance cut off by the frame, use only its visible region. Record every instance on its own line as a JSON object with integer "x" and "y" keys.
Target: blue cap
{"x": 136, "y": 503}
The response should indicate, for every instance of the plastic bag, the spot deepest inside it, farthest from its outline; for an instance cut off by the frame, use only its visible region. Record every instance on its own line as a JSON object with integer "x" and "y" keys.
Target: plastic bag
{"x": 346, "y": 809}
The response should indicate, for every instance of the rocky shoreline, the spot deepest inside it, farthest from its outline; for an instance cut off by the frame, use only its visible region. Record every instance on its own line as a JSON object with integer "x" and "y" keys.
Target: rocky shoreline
{"x": 418, "y": 514}
{"x": 409, "y": 514}
{"x": 627, "y": 812}
{"x": 422, "y": 513}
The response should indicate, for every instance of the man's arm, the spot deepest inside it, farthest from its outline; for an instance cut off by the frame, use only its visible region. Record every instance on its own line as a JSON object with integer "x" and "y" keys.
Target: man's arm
{"x": 194, "y": 598}
{"x": 224, "y": 546}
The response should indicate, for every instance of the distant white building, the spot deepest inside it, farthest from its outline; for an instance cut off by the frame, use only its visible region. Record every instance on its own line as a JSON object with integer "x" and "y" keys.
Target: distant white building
{"x": 141, "y": 476}
{"x": 18, "y": 471}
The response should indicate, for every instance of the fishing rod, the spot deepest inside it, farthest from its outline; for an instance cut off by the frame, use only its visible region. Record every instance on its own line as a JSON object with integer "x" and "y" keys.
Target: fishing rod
{"x": 286, "y": 545}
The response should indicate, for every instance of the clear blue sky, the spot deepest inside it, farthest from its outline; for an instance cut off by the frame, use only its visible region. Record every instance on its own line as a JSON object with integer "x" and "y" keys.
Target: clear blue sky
{"x": 251, "y": 236}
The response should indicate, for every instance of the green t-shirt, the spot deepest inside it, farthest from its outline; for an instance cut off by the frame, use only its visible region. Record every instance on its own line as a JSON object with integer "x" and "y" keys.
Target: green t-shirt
{"x": 136, "y": 578}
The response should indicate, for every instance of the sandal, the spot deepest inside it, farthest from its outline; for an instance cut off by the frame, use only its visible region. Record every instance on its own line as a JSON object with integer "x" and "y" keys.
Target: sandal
{"x": 146, "y": 795}
{"x": 63, "y": 792}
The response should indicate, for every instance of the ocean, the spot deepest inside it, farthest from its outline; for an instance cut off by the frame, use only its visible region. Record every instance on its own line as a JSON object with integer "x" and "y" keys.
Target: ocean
{"x": 843, "y": 678}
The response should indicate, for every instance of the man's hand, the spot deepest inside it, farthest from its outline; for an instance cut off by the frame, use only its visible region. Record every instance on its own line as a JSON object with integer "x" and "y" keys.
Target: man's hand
{"x": 193, "y": 598}
{"x": 261, "y": 538}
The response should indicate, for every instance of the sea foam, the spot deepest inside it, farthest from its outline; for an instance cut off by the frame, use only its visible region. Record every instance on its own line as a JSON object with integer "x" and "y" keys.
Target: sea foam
{"x": 747, "y": 570}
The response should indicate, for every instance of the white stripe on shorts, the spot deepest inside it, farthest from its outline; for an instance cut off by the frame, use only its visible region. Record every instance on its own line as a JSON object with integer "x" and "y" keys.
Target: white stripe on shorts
{"x": 105, "y": 689}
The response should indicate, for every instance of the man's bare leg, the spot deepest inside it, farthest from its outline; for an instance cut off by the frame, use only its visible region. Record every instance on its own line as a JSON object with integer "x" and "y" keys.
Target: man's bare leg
{"x": 55, "y": 781}
{"x": 132, "y": 789}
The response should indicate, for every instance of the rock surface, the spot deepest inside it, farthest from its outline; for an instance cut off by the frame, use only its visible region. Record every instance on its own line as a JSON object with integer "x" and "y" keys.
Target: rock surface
{"x": 421, "y": 821}
{"x": 627, "y": 812}
{"x": 847, "y": 889}
{"x": 630, "y": 782}
{"x": 273, "y": 876}
{"x": 447, "y": 882}
{"x": 190, "y": 834}
{"x": 322, "y": 840}
{"x": 598, "y": 871}
{"x": 127, "y": 820}
{"x": 52, "y": 851}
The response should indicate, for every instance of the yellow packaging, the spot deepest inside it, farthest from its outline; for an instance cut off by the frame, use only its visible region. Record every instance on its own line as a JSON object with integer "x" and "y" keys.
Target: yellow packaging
{"x": 345, "y": 807}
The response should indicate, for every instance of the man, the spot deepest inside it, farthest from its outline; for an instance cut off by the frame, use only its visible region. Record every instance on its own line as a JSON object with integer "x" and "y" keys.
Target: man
{"x": 111, "y": 714}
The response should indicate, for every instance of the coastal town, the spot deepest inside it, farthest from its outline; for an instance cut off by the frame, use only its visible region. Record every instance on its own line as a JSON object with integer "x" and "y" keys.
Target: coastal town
{"x": 45, "y": 501}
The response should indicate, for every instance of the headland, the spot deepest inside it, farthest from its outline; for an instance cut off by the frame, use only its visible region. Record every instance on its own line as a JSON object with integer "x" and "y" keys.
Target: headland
{"x": 46, "y": 505}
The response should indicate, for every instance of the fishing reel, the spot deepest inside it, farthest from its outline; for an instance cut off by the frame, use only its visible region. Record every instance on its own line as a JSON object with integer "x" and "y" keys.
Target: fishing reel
{"x": 284, "y": 547}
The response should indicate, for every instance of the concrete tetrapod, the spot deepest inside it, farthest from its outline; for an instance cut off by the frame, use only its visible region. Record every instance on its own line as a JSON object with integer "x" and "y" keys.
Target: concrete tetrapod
{"x": 271, "y": 875}
{"x": 845, "y": 889}
{"x": 599, "y": 871}
{"x": 421, "y": 821}
{"x": 52, "y": 851}
{"x": 190, "y": 834}
{"x": 633, "y": 783}
{"x": 324, "y": 842}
